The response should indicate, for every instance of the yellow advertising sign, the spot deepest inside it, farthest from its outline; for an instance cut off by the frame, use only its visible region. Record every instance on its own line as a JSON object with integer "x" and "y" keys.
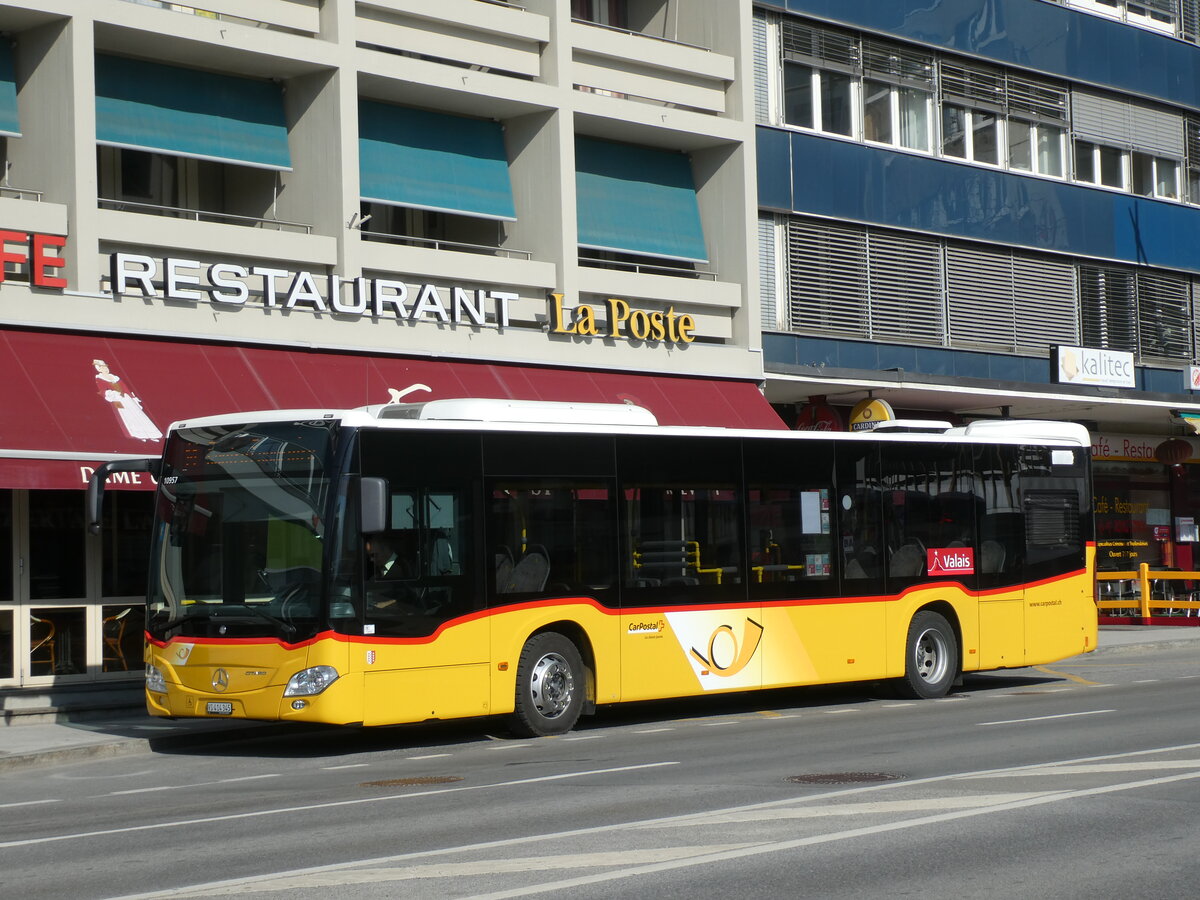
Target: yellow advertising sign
{"x": 869, "y": 413}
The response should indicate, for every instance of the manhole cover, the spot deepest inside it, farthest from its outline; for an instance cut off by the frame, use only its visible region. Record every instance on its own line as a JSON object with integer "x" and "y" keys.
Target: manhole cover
{"x": 411, "y": 782}
{"x": 842, "y": 778}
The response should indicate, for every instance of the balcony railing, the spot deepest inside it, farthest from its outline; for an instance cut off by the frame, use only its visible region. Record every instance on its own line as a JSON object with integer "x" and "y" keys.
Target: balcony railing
{"x": 653, "y": 37}
{"x": 647, "y": 269}
{"x": 200, "y": 215}
{"x": 437, "y": 244}
{"x": 20, "y": 193}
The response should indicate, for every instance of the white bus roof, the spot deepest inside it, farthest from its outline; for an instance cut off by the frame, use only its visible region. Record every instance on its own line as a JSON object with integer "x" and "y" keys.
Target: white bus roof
{"x": 556, "y": 417}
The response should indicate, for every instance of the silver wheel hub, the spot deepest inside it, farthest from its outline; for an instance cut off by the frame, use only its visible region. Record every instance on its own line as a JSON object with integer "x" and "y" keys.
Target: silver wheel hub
{"x": 932, "y": 657}
{"x": 551, "y": 685}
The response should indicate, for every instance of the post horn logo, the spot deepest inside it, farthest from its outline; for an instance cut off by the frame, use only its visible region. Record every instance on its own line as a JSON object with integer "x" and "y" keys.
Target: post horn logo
{"x": 727, "y": 655}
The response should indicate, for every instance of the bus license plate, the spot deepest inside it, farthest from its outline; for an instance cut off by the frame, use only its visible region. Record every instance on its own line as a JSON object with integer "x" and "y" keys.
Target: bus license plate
{"x": 215, "y": 708}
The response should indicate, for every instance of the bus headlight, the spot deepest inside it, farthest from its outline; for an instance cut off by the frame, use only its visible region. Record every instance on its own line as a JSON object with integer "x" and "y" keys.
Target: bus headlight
{"x": 154, "y": 680}
{"x": 312, "y": 681}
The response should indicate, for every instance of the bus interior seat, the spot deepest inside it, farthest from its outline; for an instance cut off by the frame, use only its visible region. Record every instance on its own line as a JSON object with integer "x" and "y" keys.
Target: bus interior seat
{"x": 991, "y": 555}
{"x": 908, "y": 560}
{"x": 504, "y": 569}
{"x": 531, "y": 571}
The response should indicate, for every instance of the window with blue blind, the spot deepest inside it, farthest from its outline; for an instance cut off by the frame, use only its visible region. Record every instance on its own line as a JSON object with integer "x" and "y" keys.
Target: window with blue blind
{"x": 637, "y": 200}
{"x": 433, "y": 161}
{"x": 10, "y": 126}
{"x": 185, "y": 112}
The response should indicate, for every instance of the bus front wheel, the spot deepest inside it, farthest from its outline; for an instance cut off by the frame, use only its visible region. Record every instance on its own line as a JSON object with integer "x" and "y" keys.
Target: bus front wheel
{"x": 930, "y": 657}
{"x": 550, "y": 686}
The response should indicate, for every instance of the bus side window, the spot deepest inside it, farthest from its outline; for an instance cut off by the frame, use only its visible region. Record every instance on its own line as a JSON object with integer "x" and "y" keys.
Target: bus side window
{"x": 790, "y": 502}
{"x": 550, "y": 536}
{"x": 858, "y": 510}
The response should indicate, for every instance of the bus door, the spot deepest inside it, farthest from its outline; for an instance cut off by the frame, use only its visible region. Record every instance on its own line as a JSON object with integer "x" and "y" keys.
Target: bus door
{"x": 688, "y": 624}
{"x": 423, "y": 650}
{"x": 1000, "y": 563}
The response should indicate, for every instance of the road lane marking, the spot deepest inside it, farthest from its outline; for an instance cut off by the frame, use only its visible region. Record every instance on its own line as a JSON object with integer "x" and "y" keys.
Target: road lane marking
{"x": 349, "y": 766}
{"x": 1090, "y": 712}
{"x": 653, "y": 730}
{"x": 178, "y": 787}
{"x": 814, "y": 840}
{"x": 267, "y": 883}
{"x": 428, "y": 756}
{"x": 258, "y": 813}
{"x": 1067, "y": 675}
{"x": 27, "y": 803}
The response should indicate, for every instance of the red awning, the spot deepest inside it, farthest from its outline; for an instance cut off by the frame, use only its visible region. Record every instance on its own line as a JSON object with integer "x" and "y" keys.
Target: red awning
{"x": 72, "y": 400}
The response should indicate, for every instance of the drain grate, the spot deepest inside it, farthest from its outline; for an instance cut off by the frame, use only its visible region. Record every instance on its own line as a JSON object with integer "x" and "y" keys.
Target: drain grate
{"x": 842, "y": 778}
{"x": 412, "y": 782}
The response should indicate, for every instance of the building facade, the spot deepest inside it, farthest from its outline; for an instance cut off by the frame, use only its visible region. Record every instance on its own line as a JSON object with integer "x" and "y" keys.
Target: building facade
{"x": 984, "y": 208}
{"x": 250, "y": 204}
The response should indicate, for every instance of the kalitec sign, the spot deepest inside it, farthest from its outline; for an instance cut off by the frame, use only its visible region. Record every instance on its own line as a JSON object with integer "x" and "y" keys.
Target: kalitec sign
{"x": 232, "y": 284}
{"x": 39, "y": 251}
{"x": 1086, "y": 365}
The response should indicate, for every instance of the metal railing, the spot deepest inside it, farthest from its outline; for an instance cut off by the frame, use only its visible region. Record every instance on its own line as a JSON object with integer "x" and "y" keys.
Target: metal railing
{"x": 20, "y": 193}
{"x": 437, "y": 244}
{"x": 647, "y": 269}
{"x": 653, "y": 37}
{"x": 201, "y": 215}
{"x": 1137, "y": 594}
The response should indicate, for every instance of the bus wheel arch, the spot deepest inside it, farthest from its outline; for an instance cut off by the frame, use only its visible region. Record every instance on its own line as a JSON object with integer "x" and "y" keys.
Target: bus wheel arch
{"x": 554, "y": 681}
{"x": 932, "y": 653}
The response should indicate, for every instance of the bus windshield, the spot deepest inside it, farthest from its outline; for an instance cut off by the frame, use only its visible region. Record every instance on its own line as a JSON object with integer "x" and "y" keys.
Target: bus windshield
{"x": 239, "y": 531}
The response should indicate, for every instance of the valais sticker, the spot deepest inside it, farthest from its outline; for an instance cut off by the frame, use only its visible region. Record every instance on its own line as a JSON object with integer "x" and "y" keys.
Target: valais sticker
{"x": 951, "y": 561}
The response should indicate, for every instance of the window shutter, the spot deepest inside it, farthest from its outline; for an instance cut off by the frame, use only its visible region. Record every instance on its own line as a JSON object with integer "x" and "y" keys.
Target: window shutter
{"x": 1108, "y": 307}
{"x": 979, "y": 290}
{"x": 1046, "y": 301}
{"x": 906, "y": 295}
{"x": 899, "y": 65}
{"x": 767, "y": 282}
{"x": 1163, "y": 322}
{"x": 973, "y": 85}
{"x": 827, "y": 279}
{"x": 1122, "y": 123}
{"x": 1042, "y": 100}
{"x": 762, "y": 69}
{"x": 821, "y": 45}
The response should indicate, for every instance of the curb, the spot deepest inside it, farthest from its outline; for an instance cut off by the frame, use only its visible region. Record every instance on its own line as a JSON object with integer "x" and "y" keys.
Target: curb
{"x": 118, "y": 747}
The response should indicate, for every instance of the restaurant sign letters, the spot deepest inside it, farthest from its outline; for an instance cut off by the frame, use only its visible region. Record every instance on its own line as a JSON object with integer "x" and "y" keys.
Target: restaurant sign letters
{"x": 621, "y": 321}
{"x": 39, "y": 251}
{"x": 233, "y": 284}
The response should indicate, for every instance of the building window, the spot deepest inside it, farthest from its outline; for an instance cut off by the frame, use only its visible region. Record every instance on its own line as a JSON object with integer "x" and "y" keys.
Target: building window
{"x": 1155, "y": 176}
{"x": 1036, "y": 147}
{"x": 814, "y": 98}
{"x": 614, "y": 13}
{"x": 1098, "y": 164}
{"x": 428, "y": 228}
{"x": 180, "y": 186}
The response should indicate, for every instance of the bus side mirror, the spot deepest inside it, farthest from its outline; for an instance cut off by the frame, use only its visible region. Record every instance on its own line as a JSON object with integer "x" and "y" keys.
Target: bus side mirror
{"x": 95, "y": 488}
{"x": 372, "y": 504}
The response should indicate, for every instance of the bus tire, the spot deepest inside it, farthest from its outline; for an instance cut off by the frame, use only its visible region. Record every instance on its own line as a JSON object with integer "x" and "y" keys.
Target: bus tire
{"x": 550, "y": 686}
{"x": 930, "y": 657}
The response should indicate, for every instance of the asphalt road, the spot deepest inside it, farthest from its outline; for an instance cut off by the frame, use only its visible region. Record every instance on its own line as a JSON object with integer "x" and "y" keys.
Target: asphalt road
{"x": 1076, "y": 780}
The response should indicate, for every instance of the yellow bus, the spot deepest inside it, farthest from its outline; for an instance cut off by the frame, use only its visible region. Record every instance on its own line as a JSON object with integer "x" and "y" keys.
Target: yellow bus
{"x": 423, "y": 561}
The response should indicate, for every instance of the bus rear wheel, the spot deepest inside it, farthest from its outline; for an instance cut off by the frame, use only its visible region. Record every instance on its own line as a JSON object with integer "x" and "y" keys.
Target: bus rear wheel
{"x": 930, "y": 657}
{"x": 550, "y": 686}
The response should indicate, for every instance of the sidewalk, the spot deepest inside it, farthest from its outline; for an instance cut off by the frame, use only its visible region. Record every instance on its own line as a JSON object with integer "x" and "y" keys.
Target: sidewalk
{"x": 129, "y": 733}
